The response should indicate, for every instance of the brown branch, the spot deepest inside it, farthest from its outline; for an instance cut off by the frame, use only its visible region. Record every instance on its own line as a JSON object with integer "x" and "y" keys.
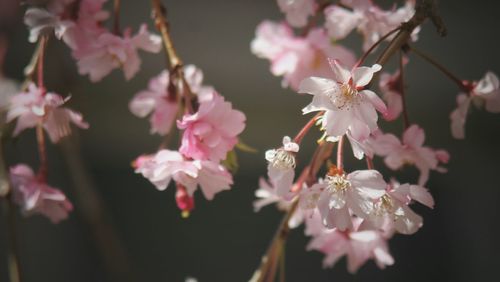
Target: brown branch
{"x": 424, "y": 9}
{"x": 173, "y": 60}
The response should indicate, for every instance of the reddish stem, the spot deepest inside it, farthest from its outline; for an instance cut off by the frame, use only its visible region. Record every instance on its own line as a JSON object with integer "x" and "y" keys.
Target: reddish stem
{"x": 460, "y": 83}
{"x": 369, "y": 162}
{"x": 41, "y": 57}
{"x": 340, "y": 154}
{"x": 40, "y": 137}
{"x": 306, "y": 128}
{"x": 370, "y": 50}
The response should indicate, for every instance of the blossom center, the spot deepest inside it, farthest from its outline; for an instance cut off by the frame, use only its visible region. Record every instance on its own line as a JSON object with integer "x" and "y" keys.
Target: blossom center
{"x": 346, "y": 98}
{"x": 385, "y": 205}
{"x": 283, "y": 159}
{"x": 337, "y": 183}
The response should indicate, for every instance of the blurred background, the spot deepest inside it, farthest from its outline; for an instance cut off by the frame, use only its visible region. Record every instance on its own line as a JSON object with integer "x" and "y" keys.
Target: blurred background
{"x": 223, "y": 240}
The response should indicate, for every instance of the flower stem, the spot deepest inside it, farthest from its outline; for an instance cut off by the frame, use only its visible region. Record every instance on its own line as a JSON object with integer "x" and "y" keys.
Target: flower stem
{"x": 370, "y": 50}
{"x": 340, "y": 154}
{"x": 40, "y": 138}
{"x": 306, "y": 128}
{"x": 41, "y": 57}
{"x": 460, "y": 83}
{"x": 269, "y": 260}
{"x": 116, "y": 17}
{"x": 406, "y": 119}
{"x": 369, "y": 162}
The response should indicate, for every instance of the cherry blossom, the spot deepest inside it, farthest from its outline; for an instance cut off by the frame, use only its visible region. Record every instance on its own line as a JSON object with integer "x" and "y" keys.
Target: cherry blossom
{"x": 370, "y": 20}
{"x": 41, "y": 21}
{"x": 409, "y": 151}
{"x": 347, "y": 107}
{"x": 110, "y": 51}
{"x": 166, "y": 165}
{"x": 359, "y": 244}
{"x": 35, "y": 196}
{"x": 266, "y": 195}
{"x": 392, "y": 209}
{"x": 390, "y": 86}
{"x": 484, "y": 92}
{"x": 281, "y": 167}
{"x": 33, "y": 107}
{"x": 297, "y": 11}
{"x": 340, "y": 195}
{"x": 158, "y": 100}
{"x": 212, "y": 131}
{"x": 294, "y": 57}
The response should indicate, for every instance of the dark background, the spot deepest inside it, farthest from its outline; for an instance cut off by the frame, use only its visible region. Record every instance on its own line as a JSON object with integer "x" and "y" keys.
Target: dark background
{"x": 223, "y": 240}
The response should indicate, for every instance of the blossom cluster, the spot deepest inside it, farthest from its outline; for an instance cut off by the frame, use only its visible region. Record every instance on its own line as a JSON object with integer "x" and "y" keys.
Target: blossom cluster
{"x": 354, "y": 213}
{"x": 208, "y": 135}
{"x": 37, "y": 108}
{"x": 96, "y": 49}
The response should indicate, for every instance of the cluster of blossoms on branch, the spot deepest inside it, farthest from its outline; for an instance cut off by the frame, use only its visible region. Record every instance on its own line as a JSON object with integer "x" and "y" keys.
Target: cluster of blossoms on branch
{"x": 210, "y": 128}
{"x": 97, "y": 51}
{"x": 209, "y": 124}
{"x": 354, "y": 213}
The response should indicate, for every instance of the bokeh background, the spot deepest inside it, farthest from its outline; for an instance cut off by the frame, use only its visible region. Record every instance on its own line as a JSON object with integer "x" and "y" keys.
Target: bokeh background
{"x": 223, "y": 240}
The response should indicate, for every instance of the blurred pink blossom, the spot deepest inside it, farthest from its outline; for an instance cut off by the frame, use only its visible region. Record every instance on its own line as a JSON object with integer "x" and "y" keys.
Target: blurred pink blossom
{"x": 35, "y": 196}
{"x": 33, "y": 107}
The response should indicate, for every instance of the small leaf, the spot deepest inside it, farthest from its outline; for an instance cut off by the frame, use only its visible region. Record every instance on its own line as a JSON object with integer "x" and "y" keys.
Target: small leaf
{"x": 245, "y": 148}
{"x": 231, "y": 162}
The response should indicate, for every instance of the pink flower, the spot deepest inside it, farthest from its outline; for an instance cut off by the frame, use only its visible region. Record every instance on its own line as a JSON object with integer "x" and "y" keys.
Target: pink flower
{"x": 341, "y": 195}
{"x": 459, "y": 116}
{"x": 212, "y": 179}
{"x": 81, "y": 37}
{"x": 370, "y": 20}
{"x": 166, "y": 165}
{"x": 212, "y": 131}
{"x": 35, "y": 196}
{"x": 410, "y": 151}
{"x": 281, "y": 167}
{"x": 33, "y": 107}
{"x": 162, "y": 103}
{"x": 484, "y": 92}
{"x": 267, "y": 195}
{"x": 390, "y": 87}
{"x": 392, "y": 209}
{"x": 296, "y": 58}
{"x": 110, "y": 51}
{"x": 358, "y": 245}
{"x": 163, "y": 166}
{"x": 347, "y": 107}
{"x": 297, "y": 11}
{"x": 41, "y": 21}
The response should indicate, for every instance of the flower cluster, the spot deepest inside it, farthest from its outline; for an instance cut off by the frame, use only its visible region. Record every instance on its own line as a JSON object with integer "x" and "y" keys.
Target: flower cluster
{"x": 296, "y": 57}
{"x": 36, "y": 108}
{"x": 208, "y": 135}
{"x": 97, "y": 50}
{"x": 351, "y": 213}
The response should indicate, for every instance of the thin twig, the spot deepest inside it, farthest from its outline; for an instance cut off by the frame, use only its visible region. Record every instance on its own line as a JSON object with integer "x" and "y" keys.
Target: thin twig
{"x": 370, "y": 50}
{"x": 173, "y": 60}
{"x": 406, "y": 119}
{"x": 440, "y": 67}
{"x": 116, "y": 17}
